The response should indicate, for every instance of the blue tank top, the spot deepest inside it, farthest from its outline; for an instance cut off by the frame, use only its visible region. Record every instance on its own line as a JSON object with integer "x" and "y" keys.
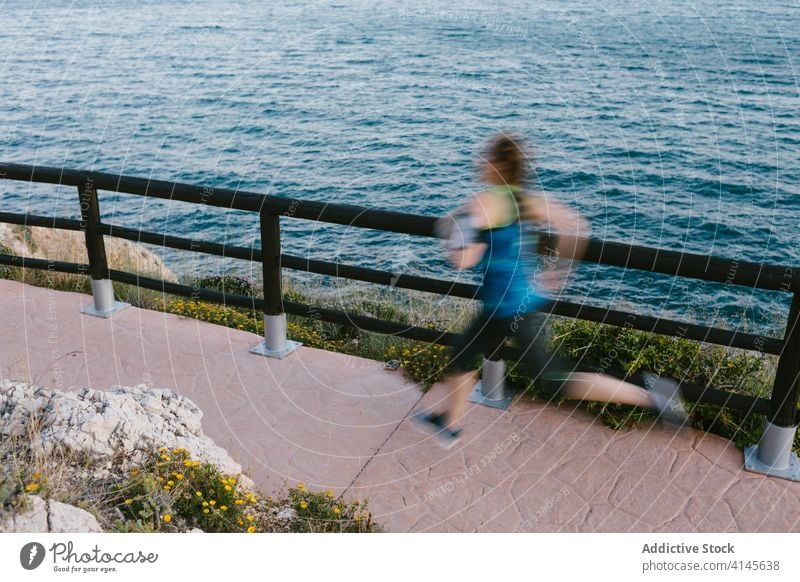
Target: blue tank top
{"x": 507, "y": 288}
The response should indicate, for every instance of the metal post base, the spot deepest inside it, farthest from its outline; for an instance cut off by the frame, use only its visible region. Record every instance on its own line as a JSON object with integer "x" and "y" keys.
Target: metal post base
{"x": 118, "y": 306}
{"x": 773, "y": 454}
{"x": 262, "y": 350}
{"x": 490, "y": 389}
{"x": 275, "y": 344}
{"x": 477, "y": 397}
{"x": 103, "y": 303}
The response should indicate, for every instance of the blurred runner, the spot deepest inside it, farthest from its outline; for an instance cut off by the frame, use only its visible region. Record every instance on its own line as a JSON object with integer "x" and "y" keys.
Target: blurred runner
{"x": 487, "y": 231}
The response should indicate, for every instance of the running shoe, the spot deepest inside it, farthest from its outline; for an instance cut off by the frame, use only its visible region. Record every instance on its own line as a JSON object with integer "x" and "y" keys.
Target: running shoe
{"x": 666, "y": 395}
{"x": 434, "y": 422}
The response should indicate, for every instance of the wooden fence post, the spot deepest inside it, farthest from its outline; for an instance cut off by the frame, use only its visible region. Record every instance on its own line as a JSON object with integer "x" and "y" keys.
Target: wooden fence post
{"x": 774, "y": 453}
{"x": 104, "y": 303}
{"x": 275, "y": 344}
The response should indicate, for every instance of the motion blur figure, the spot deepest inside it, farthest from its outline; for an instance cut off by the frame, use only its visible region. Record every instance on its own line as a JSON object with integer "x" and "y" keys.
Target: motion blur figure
{"x": 487, "y": 231}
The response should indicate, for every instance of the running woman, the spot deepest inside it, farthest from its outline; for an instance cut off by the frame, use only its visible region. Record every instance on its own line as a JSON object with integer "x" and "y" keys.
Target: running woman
{"x": 487, "y": 231}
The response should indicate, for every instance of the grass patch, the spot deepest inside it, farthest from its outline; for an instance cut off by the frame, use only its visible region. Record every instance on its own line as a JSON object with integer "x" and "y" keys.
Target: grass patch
{"x": 633, "y": 351}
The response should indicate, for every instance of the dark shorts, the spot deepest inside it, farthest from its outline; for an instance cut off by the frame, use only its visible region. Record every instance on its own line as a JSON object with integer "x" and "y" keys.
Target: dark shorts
{"x": 485, "y": 336}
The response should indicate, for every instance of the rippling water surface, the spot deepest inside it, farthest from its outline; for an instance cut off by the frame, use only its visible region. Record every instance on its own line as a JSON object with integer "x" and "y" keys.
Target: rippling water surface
{"x": 669, "y": 124}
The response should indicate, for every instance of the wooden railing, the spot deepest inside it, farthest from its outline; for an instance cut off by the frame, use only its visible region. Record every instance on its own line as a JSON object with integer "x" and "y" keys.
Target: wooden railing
{"x": 781, "y": 408}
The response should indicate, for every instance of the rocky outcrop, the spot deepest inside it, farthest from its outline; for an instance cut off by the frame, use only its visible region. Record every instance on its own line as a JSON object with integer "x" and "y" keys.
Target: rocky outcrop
{"x": 43, "y": 516}
{"x": 129, "y": 422}
{"x": 66, "y": 245}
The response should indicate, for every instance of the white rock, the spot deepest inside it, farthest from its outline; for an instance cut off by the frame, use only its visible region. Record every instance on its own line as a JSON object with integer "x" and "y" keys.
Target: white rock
{"x": 135, "y": 420}
{"x": 32, "y": 519}
{"x": 286, "y": 513}
{"x": 64, "y": 245}
{"x": 50, "y": 516}
{"x": 69, "y": 519}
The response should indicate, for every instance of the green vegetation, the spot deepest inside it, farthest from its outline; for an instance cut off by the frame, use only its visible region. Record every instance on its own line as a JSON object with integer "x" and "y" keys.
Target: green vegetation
{"x": 7, "y": 272}
{"x": 173, "y": 492}
{"x": 166, "y": 492}
{"x": 693, "y": 362}
{"x": 229, "y": 284}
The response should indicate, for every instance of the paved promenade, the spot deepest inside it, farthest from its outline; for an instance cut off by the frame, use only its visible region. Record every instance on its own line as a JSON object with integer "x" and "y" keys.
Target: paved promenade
{"x": 340, "y": 422}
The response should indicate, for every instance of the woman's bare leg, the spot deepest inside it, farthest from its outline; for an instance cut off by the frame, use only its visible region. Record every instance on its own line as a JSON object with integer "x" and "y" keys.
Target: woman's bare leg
{"x": 458, "y": 387}
{"x": 602, "y": 388}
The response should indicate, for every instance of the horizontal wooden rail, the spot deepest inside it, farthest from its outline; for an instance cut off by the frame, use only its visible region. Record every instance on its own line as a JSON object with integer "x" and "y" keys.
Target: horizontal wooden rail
{"x": 657, "y": 325}
{"x": 646, "y": 323}
{"x": 616, "y": 254}
{"x": 465, "y": 290}
{"x": 345, "y": 214}
{"x": 44, "y": 221}
{"x": 44, "y": 264}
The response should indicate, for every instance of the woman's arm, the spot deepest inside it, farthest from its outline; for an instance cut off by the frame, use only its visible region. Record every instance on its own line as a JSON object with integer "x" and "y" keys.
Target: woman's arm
{"x": 572, "y": 237}
{"x": 463, "y": 227}
{"x": 572, "y": 229}
{"x": 467, "y": 257}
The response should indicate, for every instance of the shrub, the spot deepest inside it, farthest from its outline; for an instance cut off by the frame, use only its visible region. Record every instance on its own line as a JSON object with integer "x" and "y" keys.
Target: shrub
{"x": 172, "y": 491}
{"x": 685, "y": 360}
{"x": 231, "y": 284}
{"x": 320, "y": 512}
{"x": 308, "y": 334}
{"x": 213, "y": 313}
{"x": 423, "y": 362}
{"x": 7, "y": 271}
{"x": 14, "y": 489}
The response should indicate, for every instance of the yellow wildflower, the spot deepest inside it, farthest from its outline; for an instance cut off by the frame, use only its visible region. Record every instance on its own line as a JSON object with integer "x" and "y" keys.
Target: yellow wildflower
{"x": 205, "y": 511}
{"x": 303, "y": 505}
{"x": 168, "y": 518}
{"x": 179, "y": 476}
{"x": 329, "y": 493}
{"x": 170, "y": 482}
{"x": 249, "y": 517}
{"x": 31, "y": 487}
{"x": 128, "y": 501}
{"x": 199, "y": 493}
{"x": 228, "y": 488}
{"x": 223, "y": 507}
{"x": 238, "y": 502}
{"x": 212, "y": 503}
{"x": 187, "y": 463}
{"x": 336, "y": 510}
{"x": 251, "y": 529}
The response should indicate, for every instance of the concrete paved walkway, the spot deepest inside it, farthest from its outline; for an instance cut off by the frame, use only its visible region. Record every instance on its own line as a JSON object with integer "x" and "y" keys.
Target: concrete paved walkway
{"x": 340, "y": 422}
